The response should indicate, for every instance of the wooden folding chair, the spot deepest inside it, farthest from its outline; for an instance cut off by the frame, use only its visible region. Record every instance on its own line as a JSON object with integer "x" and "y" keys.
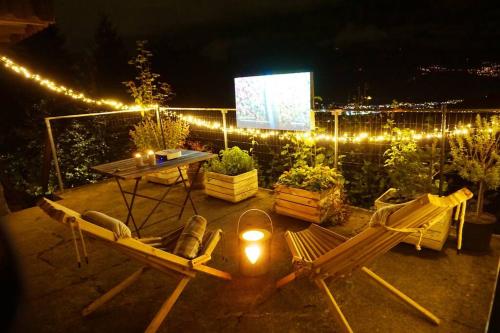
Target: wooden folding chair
{"x": 321, "y": 254}
{"x": 143, "y": 251}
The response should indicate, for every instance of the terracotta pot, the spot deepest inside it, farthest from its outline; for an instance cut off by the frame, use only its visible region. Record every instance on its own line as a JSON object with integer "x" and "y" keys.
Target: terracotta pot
{"x": 477, "y": 232}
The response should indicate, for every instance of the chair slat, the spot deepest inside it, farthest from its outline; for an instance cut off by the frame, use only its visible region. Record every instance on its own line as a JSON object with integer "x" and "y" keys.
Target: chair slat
{"x": 300, "y": 246}
{"x": 379, "y": 243}
{"x": 311, "y": 249}
{"x": 320, "y": 230}
{"x": 292, "y": 246}
{"x": 330, "y": 241}
{"x": 321, "y": 246}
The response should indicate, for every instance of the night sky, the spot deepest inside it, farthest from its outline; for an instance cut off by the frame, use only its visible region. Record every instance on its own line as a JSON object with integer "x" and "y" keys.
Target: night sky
{"x": 377, "y": 46}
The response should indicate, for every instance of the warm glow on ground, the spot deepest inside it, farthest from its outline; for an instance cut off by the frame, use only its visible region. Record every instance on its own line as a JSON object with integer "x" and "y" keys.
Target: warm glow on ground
{"x": 253, "y": 235}
{"x": 253, "y": 252}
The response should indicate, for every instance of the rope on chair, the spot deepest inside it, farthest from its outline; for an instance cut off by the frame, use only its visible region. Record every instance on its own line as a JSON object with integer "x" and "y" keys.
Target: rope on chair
{"x": 381, "y": 216}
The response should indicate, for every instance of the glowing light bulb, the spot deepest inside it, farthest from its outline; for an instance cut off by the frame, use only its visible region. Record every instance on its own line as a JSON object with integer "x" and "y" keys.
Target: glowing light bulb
{"x": 253, "y": 235}
{"x": 253, "y": 253}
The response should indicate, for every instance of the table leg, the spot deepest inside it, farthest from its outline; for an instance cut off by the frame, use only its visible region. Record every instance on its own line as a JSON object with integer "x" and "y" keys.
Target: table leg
{"x": 129, "y": 207}
{"x": 159, "y": 202}
{"x": 188, "y": 191}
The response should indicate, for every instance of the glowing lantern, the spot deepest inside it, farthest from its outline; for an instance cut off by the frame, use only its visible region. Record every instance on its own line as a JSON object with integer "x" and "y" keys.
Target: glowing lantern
{"x": 254, "y": 244}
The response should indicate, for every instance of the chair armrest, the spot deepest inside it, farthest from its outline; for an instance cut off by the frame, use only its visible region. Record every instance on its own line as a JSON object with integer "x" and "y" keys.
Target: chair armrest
{"x": 212, "y": 243}
{"x": 208, "y": 248}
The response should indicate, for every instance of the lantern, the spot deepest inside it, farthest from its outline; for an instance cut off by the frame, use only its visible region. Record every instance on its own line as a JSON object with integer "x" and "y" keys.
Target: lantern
{"x": 254, "y": 244}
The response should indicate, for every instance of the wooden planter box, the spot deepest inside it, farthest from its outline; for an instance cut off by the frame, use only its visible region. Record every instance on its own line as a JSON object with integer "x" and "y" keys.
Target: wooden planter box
{"x": 167, "y": 177}
{"x": 302, "y": 204}
{"x": 434, "y": 238}
{"x": 231, "y": 188}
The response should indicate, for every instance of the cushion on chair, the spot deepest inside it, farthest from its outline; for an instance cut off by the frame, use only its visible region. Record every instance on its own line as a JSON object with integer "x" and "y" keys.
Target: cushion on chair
{"x": 189, "y": 243}
{"x": 116, "y": 226}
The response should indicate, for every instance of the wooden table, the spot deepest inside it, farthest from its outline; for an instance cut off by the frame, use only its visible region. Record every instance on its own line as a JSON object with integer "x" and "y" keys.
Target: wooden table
{"x": 127, "y": 170}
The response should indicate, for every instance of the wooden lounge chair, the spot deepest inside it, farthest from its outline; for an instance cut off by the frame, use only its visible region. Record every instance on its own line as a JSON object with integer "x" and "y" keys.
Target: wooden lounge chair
{"x": 147, "y": 254}
{"x": 322, "y": 254}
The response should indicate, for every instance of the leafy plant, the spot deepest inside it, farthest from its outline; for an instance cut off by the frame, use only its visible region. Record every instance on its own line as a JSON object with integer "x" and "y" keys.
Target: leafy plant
{"x": 475, "y": 156}
{"x": 79, "y": 149}
{"x": 149, "y": 135}
{"x": 317, "y": 178}
{"x": 232, "y": 161}
{"x": 365, "y": 184}
{"x": 146, "y": 89}
{"x": 410, "y": 168}
{"x": 304, "y": 151}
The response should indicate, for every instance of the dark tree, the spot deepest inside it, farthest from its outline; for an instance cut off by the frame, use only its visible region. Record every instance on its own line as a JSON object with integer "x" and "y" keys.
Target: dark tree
{"x": 109, "y": 60}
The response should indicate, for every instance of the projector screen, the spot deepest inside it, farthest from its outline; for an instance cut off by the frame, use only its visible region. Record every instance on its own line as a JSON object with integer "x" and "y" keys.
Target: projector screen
{"x": 281, "y": 101}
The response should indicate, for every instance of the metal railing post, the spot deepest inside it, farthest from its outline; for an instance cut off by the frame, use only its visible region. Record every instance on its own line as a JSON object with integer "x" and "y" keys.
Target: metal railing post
{"x": 443, "y": 147}
{"x": 54, "y": 154}
{"x": 336, "y": 114}
{"x": 224, "y": 127}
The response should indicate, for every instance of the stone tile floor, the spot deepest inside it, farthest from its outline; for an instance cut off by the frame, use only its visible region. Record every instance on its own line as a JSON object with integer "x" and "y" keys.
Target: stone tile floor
{"x": 457, "y": 288}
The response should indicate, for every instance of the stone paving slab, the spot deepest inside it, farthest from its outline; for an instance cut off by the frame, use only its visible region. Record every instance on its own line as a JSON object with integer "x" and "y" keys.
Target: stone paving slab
{"x": 456, "y": 288}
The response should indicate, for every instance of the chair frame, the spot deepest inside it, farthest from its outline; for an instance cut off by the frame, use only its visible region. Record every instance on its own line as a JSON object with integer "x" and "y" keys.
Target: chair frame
{"x": 322, "y": 254}
{"x": 142, "y": 250}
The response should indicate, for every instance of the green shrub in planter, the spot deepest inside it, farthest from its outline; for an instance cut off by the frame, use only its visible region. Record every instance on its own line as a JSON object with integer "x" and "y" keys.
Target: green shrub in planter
{"x": 314, "y": 179}
{"x": 410, "y": 168}
{"x": 231, "y": 177}
{"x": 232, "y": 162}
{"x": 313, "y": 194}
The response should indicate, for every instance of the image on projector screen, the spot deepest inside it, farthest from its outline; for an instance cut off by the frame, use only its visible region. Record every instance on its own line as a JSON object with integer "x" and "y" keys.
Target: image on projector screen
{"x": 281, "y": 101}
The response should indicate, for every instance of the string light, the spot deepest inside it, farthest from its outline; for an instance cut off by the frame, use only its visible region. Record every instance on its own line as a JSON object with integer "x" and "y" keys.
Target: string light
{"x": 308, "y": 137}
{"x": 58, "y": 88}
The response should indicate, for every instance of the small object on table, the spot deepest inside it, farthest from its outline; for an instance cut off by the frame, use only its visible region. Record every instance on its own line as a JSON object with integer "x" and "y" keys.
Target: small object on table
{"x": 168, "y": 154}
{"x": 138, "y": 160}
{"x": 151, "y": 157}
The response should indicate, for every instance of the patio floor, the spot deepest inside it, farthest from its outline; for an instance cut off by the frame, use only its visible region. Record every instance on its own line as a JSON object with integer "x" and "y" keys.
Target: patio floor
{"x": 457, "y": 288}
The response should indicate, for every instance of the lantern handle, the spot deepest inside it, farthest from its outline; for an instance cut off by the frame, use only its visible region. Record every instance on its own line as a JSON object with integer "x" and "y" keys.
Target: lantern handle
{"x": 255, "y": 210}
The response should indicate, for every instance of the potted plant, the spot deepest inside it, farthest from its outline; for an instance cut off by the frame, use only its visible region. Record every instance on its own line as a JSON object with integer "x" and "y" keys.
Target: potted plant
{"x": 313, "y": 194}
{"x": 476, "y": 156}
{"x": 148, "y": 91}
{"x": 148, "y": 135}
{"x": 411, "y": 171}
{"x": 195, "y": 174}
{"x": 232, "y": 176}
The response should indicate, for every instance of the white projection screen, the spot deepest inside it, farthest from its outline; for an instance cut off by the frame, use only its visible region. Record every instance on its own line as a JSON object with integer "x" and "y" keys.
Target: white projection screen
{"x": 280, "y": 101}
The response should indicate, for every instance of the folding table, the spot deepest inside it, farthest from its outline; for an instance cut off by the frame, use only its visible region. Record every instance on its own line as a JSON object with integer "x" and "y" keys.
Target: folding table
{"x": 127, "y": 170}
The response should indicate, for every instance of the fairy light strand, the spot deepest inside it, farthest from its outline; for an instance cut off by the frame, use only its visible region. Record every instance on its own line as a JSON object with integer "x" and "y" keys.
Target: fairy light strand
{"x": 58, "y": 88}
{"x": 310, "y": 137}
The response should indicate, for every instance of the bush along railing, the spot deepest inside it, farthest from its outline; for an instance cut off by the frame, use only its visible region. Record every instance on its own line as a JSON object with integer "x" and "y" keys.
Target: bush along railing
{"x": 361, "y": 141}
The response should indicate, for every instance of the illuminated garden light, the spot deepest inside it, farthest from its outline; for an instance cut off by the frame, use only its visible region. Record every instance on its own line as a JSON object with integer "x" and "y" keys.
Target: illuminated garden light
{"x": 254, "y": 244}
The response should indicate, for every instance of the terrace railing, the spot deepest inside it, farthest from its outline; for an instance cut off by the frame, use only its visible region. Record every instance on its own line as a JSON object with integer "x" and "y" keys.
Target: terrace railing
{"x": 351, "y": 136}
